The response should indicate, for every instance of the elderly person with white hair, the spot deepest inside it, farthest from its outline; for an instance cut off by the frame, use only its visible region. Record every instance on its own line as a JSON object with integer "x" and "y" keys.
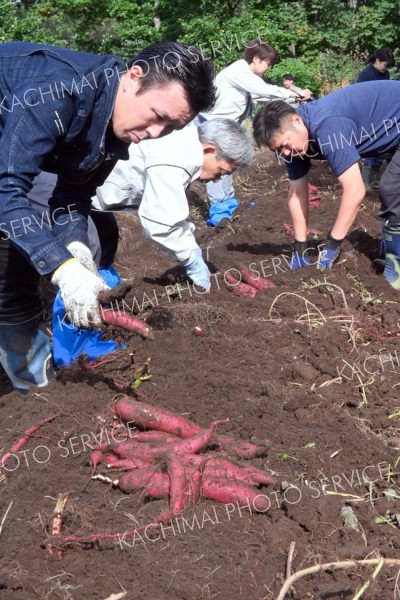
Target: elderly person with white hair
{"x": 156, "y": 176}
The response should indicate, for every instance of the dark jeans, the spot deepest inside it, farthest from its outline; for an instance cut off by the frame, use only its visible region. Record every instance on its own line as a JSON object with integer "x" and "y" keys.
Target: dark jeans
{"x": 375, "y": 162}
{"x": 19, "y": 282}
{"x": 389, "y": 190}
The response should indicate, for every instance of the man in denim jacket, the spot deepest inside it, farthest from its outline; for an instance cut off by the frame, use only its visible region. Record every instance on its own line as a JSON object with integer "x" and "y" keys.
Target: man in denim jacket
{"x": 73, "y": 114}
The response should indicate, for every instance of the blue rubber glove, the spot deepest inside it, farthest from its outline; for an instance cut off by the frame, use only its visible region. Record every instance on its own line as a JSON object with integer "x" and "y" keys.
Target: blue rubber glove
{"x": 298, "y": 261}
{"x": 299, "y": 257}
{"x": 222, "y": 210}
{"x": 197, "y": 269}
{"x": 329, "y": 253}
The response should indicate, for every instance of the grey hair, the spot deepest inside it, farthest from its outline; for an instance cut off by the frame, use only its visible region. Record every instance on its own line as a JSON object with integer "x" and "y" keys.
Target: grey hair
{"x": 232, "y": 141}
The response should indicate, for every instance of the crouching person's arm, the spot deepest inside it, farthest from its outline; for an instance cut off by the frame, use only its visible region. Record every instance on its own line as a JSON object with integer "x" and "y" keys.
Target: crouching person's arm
{"x": 178, "y": 242}
{"x": 353, "y": 192}
{"x": 163, "y": 214}
{"x": 298, "y": 208}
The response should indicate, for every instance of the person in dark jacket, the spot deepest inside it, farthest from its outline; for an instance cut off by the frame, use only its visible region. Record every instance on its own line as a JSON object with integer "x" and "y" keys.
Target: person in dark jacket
{"x": 378, "y": 66}
{"x": 377, "y": 69}
{"x": 73, "y": 114}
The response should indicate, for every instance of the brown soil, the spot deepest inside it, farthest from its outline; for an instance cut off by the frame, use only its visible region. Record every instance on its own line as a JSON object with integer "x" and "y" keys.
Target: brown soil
{"x": 311, "y": 366}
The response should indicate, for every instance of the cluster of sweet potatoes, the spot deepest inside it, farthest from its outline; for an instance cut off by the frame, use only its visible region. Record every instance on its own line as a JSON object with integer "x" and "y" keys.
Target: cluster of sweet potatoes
{"x": 167, "y": 458}
{"x": 248, "y": 282}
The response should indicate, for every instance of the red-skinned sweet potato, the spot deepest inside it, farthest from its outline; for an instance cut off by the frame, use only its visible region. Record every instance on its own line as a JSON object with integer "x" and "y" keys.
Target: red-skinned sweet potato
{"x": 234, "y": 492}
{"x": 127, "y": 322}
{"x": 258, "y": 282}
{"x": 155, "y": 483}
{"x": 151, "y": 417}
{"x": 96, "y": 457}
{"x": 115, "y": 462}
{"x": 239, "y": 288}
{"x": 197, "y": 442}
{"x": 155, "y": 437}
{"x": 219, "y": 467}
{"x": 241, "y": 448}
{"x": 20, "y": 443}
{"x": 138, "y": 450}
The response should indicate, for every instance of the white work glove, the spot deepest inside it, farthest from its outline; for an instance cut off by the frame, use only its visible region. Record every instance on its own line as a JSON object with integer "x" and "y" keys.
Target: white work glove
{"x": 79, "y": 290}
{"x": 197, "y": 269}
{"x": 83, "y": 254}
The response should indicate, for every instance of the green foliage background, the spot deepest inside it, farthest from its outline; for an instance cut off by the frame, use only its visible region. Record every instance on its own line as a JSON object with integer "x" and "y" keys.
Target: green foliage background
{"x": 324, "y": 44}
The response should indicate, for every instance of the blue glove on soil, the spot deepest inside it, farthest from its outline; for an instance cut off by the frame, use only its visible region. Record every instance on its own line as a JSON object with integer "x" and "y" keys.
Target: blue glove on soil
{"x": 197, "y": 269}
{"x": 299, "y": 257}
{"x": 222, "y": 210}
{"x": 329, "y": 253}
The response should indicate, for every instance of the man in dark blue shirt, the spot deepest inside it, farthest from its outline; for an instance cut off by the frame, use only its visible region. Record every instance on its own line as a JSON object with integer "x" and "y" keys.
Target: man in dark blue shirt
{"x": 361, "y": 120}
{"x": 73, "y": 114}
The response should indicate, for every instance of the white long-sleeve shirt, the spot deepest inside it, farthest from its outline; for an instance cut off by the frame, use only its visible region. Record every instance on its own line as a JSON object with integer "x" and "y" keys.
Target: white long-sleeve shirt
{"x": 154, "y": 179}
{"x": 236, "y": 85}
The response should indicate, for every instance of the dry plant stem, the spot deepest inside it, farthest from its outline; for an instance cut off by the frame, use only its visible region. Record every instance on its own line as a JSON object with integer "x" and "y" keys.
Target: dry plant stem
{"x": 345, "y": 564}
{"x": 396, "y": 586}
{"x": 289, "y": 559}
{"x": 307, "y": 302}
{"x": 367, "y": 583}
{"x": 5, "y": 517}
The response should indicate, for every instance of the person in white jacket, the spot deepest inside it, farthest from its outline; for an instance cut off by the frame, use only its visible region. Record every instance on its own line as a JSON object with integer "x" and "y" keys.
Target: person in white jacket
{"x": 237, "y": 86}
{"x": 155, "y": 178}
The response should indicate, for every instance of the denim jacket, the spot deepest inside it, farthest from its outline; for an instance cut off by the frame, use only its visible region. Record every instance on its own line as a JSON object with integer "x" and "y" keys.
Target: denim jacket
{"x": 55, "y": 115}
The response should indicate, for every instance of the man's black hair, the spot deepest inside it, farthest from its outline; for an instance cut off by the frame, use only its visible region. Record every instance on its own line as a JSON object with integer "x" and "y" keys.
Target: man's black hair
{"x": 164, "y": 63}
{"x": 269, "y": 121}
{"x": 288, "y": 76}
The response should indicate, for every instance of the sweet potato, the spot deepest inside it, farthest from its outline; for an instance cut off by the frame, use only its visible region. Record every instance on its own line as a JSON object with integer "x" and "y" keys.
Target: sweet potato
{"x": 150, "y": 417}
{"x": 114, "y": 462}
{"x": 147, "y": 451}
{"x": 241, "y": 448}
{"x": 178, "y": 483}
{"x": 20, "y": 443}
{"x": 256, "y": 281}
{"x": 155, "y": 437}
{"x": 238, "y": 288}
{"x": 247, "y": 473}
{"x": 155, "y": 483}
{"x": 127, "y": 322}
{"x": 138, "y": 450}
{"x": 96, "y": 457}
{"x": 219, "y": 467}
{"x": 197, "y": 442}
{"x": 239, "y": 493}
{"x": 213, "y": 470}
{"x": 195, "y": 481}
